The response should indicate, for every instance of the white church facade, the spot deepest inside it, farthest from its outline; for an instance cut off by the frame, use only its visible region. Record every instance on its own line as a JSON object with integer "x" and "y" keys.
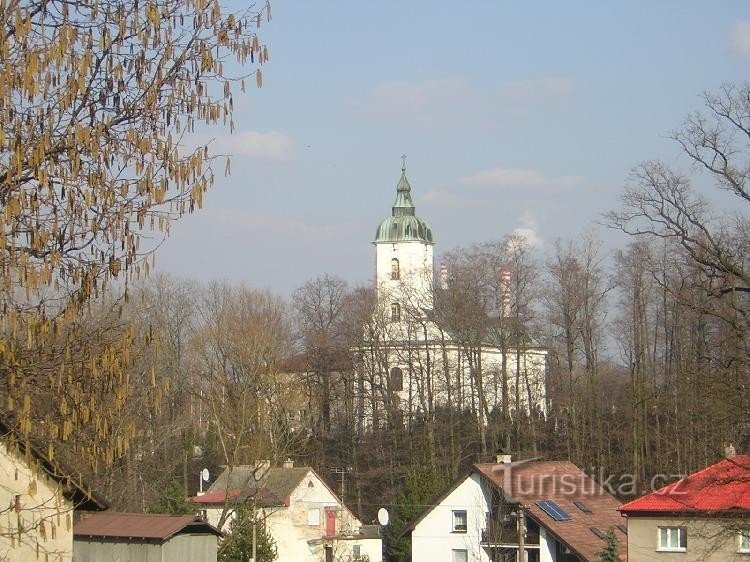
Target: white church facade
{"x": 412, "y": 363}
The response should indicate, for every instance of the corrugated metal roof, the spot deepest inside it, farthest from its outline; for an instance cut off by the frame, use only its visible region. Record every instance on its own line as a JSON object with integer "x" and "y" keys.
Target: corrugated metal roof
{"x": 144, "y": 526}
{"x": 724, "y": 486}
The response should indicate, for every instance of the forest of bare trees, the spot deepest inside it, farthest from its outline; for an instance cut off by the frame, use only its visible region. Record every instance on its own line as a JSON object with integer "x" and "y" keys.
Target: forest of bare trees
{"x": 647, "y": 355}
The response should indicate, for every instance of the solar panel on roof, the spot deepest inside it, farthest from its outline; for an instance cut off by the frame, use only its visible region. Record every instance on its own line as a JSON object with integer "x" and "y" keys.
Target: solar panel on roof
{"x": 553, "y": 510}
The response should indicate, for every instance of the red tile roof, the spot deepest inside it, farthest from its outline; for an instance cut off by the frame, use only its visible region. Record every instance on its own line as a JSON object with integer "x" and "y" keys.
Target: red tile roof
{"x": 140, "y": 526}
{"x": 564, "y": 483}
{"x": 724, "y": 486}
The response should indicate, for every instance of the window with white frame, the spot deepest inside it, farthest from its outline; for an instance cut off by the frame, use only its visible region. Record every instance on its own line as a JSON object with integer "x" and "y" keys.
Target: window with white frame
{"x": 673, "y": 538}
{"x": 313, "y": 517}
{"x": 356, "y": 551}
{"x": 460, "y": 555}
{"x": 459, "y": 520}
{"x": 744, "y": 541}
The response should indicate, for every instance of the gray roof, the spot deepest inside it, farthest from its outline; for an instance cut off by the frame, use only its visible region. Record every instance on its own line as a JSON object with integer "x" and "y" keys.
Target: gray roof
{"x": 403, "y": 225}
{"x": 273, "y": 484}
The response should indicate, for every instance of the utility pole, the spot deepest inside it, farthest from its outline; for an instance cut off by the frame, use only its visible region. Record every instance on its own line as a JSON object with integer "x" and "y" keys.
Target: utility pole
{"x": 521, "y": 535}
{"x": 255, "y": 530}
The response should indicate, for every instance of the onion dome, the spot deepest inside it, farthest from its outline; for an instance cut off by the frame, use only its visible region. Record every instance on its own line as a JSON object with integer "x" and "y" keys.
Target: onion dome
{"x": 403, "y": 225}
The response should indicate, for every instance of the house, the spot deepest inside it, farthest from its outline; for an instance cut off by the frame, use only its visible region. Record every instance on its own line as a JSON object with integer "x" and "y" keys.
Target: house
{"x": 139, "y": 537}
{"x": 39, "y": 502}
{"x": 704, "y": 516}
{"x": 410, "y": 361}
{"x": 550, "y": 510}
{"x": 307, "y": 520}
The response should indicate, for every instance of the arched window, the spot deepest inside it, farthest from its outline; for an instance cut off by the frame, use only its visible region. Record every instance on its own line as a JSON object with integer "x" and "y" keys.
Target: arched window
{"x": 395, "y": 270}
{"x": 395, "y": 312}
{"x": 397, "y": 379}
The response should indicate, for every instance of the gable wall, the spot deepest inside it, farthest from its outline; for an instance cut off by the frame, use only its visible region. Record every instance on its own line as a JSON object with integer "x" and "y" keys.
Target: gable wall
{"x": 433, "y": 539}
{"x": 45, "y": 508}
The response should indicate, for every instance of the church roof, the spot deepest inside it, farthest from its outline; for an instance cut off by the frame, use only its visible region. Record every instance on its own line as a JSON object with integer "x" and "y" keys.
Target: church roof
{"x": 403, "y": 225}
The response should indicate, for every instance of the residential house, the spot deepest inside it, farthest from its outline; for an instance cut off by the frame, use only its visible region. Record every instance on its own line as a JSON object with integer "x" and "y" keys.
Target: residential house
{"x": 550, "y": 511}
{"x": 304, "y": 516}
{"x": 39, "y": 499}
{"x": 139, "y": 537}
{"x": 704, "y": 516}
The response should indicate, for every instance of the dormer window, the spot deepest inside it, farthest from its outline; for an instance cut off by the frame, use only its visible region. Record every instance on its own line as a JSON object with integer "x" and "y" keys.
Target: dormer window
{"x": 395, "y": 270}
{"x": 395, "y": 312}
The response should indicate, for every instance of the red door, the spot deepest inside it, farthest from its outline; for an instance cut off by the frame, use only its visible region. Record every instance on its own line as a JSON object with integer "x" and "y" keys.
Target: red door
{"x": 330, "y": 523}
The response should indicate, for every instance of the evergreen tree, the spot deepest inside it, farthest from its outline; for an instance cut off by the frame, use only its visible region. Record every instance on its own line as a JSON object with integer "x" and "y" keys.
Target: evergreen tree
{"x": 238, "y": 545}
{"x": 610, "y": 552}
{"x": 172, "y": 501}
{"x": 421, "y": 486}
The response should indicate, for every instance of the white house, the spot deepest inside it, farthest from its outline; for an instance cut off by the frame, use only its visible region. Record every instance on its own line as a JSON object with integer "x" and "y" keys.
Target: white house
{"x": 410, "y": 359}
{"x": 38, "y": 502}
{"x": 549, "y": 510}
{"x": 308, "y": 521}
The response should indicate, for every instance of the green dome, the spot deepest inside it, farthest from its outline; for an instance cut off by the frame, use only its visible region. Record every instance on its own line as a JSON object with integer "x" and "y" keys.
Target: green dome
{"x": 403, "y": 225}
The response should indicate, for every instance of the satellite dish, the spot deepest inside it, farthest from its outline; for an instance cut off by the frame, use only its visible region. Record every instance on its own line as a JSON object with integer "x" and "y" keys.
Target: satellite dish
{"x": 383, "y": 517}
{"x": 204, "y": 474}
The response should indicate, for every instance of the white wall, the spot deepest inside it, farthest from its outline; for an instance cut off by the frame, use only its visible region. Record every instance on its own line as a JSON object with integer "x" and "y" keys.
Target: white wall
{"x": 44, "y": 507}
{"x": 546, "y": 546}
{"x": 416, "y": 277}
{"x": 433, "y": 540}
{"x": 420, "y": 363}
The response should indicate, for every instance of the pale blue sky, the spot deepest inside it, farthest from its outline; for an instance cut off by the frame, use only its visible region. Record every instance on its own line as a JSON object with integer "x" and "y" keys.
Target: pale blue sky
{"x": 514, "y": 115}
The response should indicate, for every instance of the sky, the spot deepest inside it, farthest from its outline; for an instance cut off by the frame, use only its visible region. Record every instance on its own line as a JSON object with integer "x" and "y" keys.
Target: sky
{"x": 514, "y": 116}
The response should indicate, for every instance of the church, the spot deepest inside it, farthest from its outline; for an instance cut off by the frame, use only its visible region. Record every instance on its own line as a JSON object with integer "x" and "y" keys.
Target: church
{"x": 413, "y": 362}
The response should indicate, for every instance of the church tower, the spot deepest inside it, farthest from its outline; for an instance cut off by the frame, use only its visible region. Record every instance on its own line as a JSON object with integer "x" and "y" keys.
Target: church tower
{"x": 403, "y": 255}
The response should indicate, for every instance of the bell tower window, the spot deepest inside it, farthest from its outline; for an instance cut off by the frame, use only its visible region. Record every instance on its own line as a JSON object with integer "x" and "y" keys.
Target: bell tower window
{"x": 395, "y": 270}
{"x": 395, "y": 312}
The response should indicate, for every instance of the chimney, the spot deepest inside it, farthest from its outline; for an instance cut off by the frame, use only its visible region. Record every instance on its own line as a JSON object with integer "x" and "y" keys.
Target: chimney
{"x": 505, "y": 292}
{"x": 443, "y": 276}
{"x": 288, "y": 463}
{"x": 503, "y": 459}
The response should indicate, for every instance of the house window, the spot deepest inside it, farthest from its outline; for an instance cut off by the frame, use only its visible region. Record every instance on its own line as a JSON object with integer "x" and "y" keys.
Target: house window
{"x": 395, "y": 270}
{"x": 395, "y": 312}
{"x": 397, "y": 379}
{"x": 459, "y": 521}
{"x": 745, "y": 541}
{"x": 673, "y": 539}
{"x": 313, "y": 517}
{"x": 356, "y": 551}
{"x": 460, "y": 555}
